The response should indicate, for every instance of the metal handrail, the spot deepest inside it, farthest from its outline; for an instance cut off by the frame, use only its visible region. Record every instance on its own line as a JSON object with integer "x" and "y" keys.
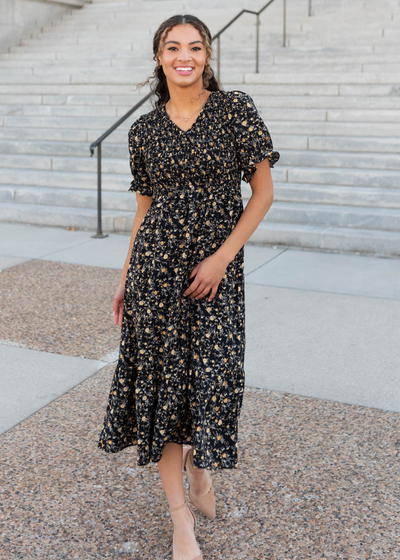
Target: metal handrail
{"x": 97, "y": 143}
{"x": 245, "y": 11}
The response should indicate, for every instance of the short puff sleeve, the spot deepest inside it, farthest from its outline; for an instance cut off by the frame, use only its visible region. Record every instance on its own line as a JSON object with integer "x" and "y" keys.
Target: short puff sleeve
{"x": 141, "y": 181}
{"x": 253, "y": 140}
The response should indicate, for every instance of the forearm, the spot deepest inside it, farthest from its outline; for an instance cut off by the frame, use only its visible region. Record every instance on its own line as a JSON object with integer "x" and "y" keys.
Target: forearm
{"x": 256, "y": 208}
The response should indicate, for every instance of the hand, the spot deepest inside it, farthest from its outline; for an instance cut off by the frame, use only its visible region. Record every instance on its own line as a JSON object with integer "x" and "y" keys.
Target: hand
{"x": 208, "y": 274}
{"x": 118, "y": 305}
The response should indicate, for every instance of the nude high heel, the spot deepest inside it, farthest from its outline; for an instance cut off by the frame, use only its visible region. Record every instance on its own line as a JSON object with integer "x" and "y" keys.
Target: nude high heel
{"x": 206, "y": 503}
{"x": 185, "y": 504}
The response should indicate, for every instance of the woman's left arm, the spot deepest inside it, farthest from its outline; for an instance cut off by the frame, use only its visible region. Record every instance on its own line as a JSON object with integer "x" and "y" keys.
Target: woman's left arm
{"x": 258, "y": 205}
{"x": 208, "y": 273}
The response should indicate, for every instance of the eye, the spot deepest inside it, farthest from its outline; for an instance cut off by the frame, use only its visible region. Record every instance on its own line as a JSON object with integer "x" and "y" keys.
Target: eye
{"x": 197, "y": 48}
{"x": 170, "y": 48}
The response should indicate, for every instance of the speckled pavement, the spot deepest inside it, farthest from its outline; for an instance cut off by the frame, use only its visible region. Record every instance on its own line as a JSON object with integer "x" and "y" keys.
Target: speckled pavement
{"x": 316, "y": 478}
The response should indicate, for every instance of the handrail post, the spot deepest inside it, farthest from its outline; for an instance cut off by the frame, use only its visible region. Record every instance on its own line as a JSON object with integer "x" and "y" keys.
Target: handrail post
{"x": 257, "y": 43}
{"x": 284, "y": 23}
{"x": 219, "y": 58}
{"x": 309, "y": 7}
{"x": 99, "y": 232}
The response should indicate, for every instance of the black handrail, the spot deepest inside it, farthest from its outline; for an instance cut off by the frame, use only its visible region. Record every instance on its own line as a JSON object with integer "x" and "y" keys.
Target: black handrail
{"x": 97, "y": 143}
{"x": 244, "y": 11}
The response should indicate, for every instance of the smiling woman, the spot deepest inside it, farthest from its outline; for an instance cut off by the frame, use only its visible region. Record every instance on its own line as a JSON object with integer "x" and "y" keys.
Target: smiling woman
{"x": 180, "y": 374}
{"x": 182, "y": 50}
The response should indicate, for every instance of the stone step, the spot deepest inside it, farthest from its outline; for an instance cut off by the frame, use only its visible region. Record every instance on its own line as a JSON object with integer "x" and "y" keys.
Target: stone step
{"x": 54, "y": 63}
{"x": 337, "y": 197}
{"x": 118, "y": 181}
{"x": 329, "y": 128}
{"x": 75, "y": 89}
{"x": 91, "y": 39}
{"x": 352, "y": 144}
{"x": 40, "y": 56}
{"x": 68, "y": 142}
{"x": 331, "y": 39}
{"x": 8, "y": 99}
{"x": 389, "y": 33}
{"x": 270, "y": 233}
{"x": 295, "y": 108}
{"x": 333, "y": 194}
{"x": 117, "y": 159}
{"x": 70, "y": 50}
{"x": 385, "y": 49}
{"x": 96, "y": 76}
{"x": 104, "y": 104}
{"x": 279, "y": 55}
{"x": 385, "y": 243}
{"x": 82, "y": 198}
{"x": 324, "y": 78}
{"x": 102, "y": 123}
{"x": 300, "y": 90}
{"x": 295, "y": 57}
{"x": 53, "y": 134}
{"x": 63, "y": 179}
{"x": 315, "y": 158}
{"x": 84, "y": 163}
{"x": 63, "y": 111}
{"x": 352, "y": 177}
{"x": 387, "y": 219}
{"x": 80, "y": 218}
{"x": 341, "y": 90}
{"x": 68, "y": 100}
{"x": 323, "y": 134}
{"x": 137, "y": 60}
{"x": 371, "y": 29}
{"x": 59, "y": 148}
{"x": 317, "y": 121}
{"x": 366, "y": 103}
{"x": 119, "y": 136}
{"x": 267, "y": 63}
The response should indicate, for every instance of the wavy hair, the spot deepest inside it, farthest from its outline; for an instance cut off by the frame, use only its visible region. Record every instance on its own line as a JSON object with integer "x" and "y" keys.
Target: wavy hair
{"x": 158, "y": 80}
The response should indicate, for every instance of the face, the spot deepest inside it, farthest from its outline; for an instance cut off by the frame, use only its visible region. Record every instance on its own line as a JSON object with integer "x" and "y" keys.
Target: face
{"x": 183, "y": 56}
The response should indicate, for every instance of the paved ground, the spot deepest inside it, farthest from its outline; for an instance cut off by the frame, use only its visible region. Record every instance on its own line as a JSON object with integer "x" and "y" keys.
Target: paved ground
{"x": 319, "y": 440}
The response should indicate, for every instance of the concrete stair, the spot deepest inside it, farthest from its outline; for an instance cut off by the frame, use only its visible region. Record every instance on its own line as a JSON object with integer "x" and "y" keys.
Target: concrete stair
{"x": 332, "y": 106}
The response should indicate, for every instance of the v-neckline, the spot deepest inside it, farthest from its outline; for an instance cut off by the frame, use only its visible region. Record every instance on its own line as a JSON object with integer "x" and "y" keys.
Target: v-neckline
{"x": 194, "y": 122}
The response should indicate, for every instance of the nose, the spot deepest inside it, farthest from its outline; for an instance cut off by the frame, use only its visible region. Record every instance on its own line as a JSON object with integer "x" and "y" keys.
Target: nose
{"x": 184, "y": 55}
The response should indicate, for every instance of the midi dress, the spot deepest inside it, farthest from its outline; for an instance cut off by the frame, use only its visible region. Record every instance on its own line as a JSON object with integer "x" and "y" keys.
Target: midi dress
{"x": 180, "y": 373}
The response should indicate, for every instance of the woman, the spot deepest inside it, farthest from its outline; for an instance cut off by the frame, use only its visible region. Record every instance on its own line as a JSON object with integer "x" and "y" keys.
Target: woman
{"x": 180, "y": 302}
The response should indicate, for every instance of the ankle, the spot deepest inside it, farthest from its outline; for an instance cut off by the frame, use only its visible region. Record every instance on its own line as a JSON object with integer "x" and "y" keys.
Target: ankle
{"x": 182, "y": 518}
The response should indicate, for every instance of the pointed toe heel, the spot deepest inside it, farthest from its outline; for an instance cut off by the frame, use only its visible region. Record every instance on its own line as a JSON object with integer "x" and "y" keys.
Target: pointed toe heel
{"x": 206, "y": 503}
{"x": 185, "y": 504}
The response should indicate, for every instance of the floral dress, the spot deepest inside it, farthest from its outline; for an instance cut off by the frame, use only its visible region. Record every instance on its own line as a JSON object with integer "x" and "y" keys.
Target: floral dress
{"x": 180, "y": 374}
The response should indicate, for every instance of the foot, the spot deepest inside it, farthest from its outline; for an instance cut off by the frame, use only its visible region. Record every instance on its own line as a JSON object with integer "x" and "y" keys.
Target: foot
{"x": 184, "y": 544}
{"x": 199, "y": 479}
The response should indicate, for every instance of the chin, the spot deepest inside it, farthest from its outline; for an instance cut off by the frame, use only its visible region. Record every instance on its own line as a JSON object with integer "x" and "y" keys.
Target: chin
{"x": 184, "y": 80}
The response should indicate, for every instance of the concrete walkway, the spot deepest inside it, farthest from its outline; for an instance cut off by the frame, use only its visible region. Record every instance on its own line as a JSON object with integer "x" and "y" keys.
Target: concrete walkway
{"x": 318, "y": 434}
{"x": 322, "y": 325}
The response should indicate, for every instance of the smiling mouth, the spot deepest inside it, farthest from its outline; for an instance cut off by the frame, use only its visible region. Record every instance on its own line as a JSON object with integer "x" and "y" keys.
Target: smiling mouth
{"x": 184, "y": 69}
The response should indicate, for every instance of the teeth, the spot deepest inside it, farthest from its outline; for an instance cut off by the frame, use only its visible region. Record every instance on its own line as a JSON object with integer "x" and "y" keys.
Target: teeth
{"x": 184, "y": 68}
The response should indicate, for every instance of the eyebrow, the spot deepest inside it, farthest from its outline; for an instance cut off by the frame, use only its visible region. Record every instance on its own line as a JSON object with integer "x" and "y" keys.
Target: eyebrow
{"x": 178, "y": 43}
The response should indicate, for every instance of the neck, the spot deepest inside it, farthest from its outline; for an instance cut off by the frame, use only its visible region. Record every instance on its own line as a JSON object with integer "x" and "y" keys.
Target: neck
{"x": 183, "y": 100}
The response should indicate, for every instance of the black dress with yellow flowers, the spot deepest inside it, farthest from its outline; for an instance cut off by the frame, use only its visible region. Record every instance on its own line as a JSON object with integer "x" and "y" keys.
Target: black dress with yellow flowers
{"x": 180, "y": 373}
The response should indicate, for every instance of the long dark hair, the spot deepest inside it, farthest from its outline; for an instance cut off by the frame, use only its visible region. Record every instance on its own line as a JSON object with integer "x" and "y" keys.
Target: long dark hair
{"x": 159, "y": 85}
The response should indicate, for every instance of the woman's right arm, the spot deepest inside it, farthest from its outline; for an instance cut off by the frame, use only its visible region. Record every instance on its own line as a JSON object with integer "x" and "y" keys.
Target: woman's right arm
{"x": 143, "y": 204}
